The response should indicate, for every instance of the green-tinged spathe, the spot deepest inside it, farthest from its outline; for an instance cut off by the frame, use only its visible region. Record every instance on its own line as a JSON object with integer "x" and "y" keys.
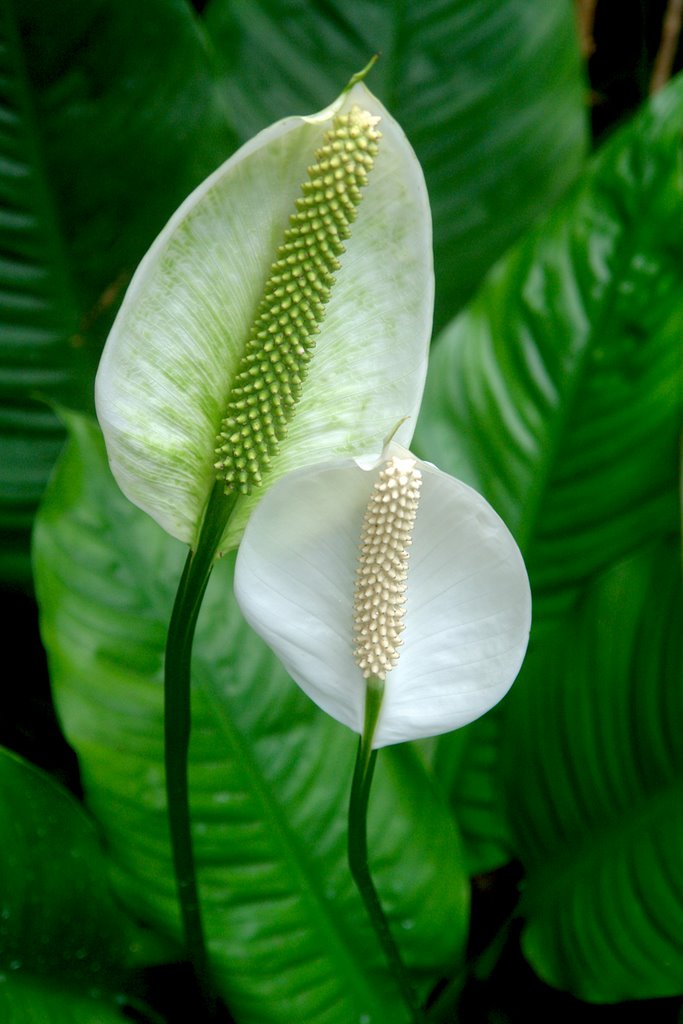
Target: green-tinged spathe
{"x": 300, "y": 270}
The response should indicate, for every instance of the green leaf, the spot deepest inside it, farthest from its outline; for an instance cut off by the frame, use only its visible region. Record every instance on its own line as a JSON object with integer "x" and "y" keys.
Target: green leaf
{"x": 598, "y": 820}
{"x": 59, "y": 926}
{"x": 558, "y": 395}
{"x": 120, "y": 118}
{"x": 97, "y": 108}
{"x": 490, "y": 95}
{"x": 466, "y": 765}
{"x": 269, "y": 775}
{"x": 30, "y": 1001}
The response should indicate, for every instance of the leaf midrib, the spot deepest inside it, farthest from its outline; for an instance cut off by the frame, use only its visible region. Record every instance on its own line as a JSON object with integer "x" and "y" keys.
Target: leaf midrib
{"x": 293, "y": 851}
{"x": 63, "y": 297}
{"x": 534, "y": 501}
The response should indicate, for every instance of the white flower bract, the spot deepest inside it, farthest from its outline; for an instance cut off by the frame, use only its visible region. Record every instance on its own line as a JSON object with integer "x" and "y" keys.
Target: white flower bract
{"x": 170, "y": 362}
{"x": 467, "y": 609}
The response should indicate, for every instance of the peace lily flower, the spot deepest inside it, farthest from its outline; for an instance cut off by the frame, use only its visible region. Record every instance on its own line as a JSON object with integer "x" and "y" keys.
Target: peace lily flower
{"x": 387, "y": 574}
{"x": 281, "y": 318}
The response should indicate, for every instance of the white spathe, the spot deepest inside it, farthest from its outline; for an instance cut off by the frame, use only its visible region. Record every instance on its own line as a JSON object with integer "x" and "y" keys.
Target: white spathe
{"x": 168, "y": 363}
{"x": 468, "y": 601}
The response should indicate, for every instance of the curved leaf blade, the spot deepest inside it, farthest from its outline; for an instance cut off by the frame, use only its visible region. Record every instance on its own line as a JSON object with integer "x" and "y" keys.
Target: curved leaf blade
{"x": 57, "y": 915}
{"x": 557, "y": 394}
{"x": 39, "y": 310}
{"x": 29, "y": 1001}
{"x": 114, "y": 105}
{"x": 466, "y": 765}
{"x": 598, "y": 822}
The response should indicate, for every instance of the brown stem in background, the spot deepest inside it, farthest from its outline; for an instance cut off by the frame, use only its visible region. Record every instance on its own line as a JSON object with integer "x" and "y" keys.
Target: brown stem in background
{"x": 671, "y": 31}
{"x": 585, "y": 16}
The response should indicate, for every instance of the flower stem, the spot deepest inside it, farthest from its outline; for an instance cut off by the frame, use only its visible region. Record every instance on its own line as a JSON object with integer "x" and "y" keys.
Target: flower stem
{"x": 177, "y": 723}
{"x": 358, "y": 847}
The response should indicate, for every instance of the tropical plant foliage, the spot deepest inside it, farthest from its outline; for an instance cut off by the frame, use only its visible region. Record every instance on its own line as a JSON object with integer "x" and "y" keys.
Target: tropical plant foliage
{"x": 553, "y": 389}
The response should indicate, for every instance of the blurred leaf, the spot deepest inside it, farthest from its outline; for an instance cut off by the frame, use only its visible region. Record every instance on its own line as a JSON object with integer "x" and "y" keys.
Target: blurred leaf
{"x": 490, "y": 95}
{"x": 26, "y": 1000}
{"x": 557, "y": 394}
{"x": 466, "y": 766}
{"x": 100, "y": 138}
{"x": 127, "y": 118}
{"x": 270, "y": 774}
{"x": 596, "y": 769}
{"x": 56, "y": 912}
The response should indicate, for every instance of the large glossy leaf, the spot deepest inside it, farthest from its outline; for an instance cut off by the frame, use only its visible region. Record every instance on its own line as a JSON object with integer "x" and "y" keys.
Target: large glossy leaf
{"x": 98, "y": 108}
{"x": 558, "y": 395}
{"x": 28, "y": 1001}
{"x": 56, "y": 911}
{"x": 61, "y": 933}
{"x": 270, "y": 775}
{"x": 38, "y": 311}
{"x": 490, "y": 95}
{"x": 598, "y": 820}
{"x": 466, "y": 767}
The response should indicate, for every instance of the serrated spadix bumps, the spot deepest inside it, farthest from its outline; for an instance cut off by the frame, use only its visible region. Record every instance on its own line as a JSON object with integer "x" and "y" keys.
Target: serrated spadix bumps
{"x": 388, "y": 569}
{"x": 269, "y": 379}
{"x": 281, "y": 318}
{"x": 379, "y": 599}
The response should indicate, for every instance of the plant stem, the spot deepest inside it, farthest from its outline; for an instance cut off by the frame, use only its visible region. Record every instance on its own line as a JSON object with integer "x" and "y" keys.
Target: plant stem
{"x": 177, "y": 724}
{"x": 358, "y": 848}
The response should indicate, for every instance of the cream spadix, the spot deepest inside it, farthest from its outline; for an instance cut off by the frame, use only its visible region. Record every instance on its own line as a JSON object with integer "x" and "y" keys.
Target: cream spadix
{"x": 281, "y": 318}
{"x": 393, "y": 569}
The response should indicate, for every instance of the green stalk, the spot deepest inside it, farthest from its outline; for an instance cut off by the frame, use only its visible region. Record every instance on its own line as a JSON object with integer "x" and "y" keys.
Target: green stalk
{"x": 358, "y": 847}
{"x": 177, "y": 723}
